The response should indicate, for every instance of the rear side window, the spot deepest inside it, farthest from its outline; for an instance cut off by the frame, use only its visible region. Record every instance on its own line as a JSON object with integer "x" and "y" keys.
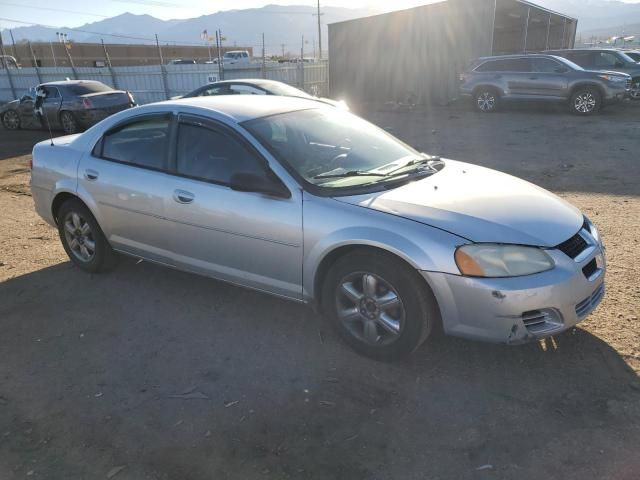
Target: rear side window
{"x": 505, "y": 65}
{"x": 245, "y": 90}
{"x": 143, "y": 143}
{"x": 213, "y": 156}
{"x": 87, "y": 87}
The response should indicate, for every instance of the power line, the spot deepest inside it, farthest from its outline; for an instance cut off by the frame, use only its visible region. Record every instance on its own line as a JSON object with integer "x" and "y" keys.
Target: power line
{"x": 54, "y": 9}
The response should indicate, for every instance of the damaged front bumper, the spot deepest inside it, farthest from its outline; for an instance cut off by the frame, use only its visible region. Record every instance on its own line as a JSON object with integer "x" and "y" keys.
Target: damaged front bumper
{"x": 520, "y": 309}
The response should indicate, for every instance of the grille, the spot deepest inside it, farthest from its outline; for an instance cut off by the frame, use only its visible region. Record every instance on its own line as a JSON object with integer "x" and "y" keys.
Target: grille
{"x": 541, "y": 321}
{"x": 574, "y": 246}
{"x": 588, "y": 304}
{"x": 590, "y": 268}
{"x": 628, "y": 84}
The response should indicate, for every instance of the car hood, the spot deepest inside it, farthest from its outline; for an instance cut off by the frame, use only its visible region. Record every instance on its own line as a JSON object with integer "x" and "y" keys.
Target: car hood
{"x": 8, "y": 105}
{"x": 481, "y": 205}
{"x": 608, "y": 72}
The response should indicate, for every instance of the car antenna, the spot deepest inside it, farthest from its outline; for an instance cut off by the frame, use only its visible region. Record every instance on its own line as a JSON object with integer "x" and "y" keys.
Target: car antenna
{"x": 50, "y": 132}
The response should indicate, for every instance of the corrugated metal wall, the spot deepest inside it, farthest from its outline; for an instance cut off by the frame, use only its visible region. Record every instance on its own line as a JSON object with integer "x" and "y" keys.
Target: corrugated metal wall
{"x": 147, "y": 83}
{"x": 412, "y": 55}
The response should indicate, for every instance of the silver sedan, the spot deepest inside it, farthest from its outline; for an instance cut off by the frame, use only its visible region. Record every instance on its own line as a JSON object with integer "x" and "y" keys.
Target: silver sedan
{"x": 314, "y": 204}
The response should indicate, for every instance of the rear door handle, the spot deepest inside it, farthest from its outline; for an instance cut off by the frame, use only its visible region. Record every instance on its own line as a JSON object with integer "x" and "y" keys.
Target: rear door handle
{"x": 90, "y": 174}
{"x": 182, "y": 196}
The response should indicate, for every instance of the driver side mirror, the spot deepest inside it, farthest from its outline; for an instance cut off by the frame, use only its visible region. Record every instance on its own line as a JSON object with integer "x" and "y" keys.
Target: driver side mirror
{"x": 267, "y": 184}
{"x": 619, "y": 64}
{"x": 561, "y": 70}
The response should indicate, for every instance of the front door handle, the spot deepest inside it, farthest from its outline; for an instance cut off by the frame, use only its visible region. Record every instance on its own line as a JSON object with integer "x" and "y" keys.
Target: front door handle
{"x": 90, "y": 175}
{"x": 182, "y": 196}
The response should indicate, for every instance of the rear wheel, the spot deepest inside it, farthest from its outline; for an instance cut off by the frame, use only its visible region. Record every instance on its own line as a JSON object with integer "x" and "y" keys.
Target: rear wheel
{"x": 635, "y": 89}
{"x": 379, "y": 305}
{"x": 486, "y": 100}
{"x": 11, "y": 120}
{"x": 83, "y": 239}
{"x": 585, "y": 101}
{"x": 69, "y": 123}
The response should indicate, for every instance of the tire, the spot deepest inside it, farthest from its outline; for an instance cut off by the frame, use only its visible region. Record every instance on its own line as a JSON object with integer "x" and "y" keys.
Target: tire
{"x": 11, "y": 120}
{"x": 585, "y": 101}
{"x": 69, "y": 123}
{"x": 635, "y": 89}
{"x": 378, "y": 305}
{"x": 83, "y": 239}
{"x": 486, "y": 100}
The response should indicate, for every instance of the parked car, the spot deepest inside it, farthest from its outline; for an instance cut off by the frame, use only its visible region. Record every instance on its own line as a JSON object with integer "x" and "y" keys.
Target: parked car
{"x": 605, "y": 59}
{"x": 311, "y": 203}
{"x": 492, "y": 80}
{"x": 182, "y": 61}
{"x": 236, "y": 56}
{"x": 251, "y": 86}
{"x": 70, "y": 105}
{"x": 633, "y": 54}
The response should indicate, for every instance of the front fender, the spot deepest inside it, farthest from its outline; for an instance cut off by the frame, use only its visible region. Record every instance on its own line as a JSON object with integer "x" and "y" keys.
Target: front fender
{"x": 331, "y": 225}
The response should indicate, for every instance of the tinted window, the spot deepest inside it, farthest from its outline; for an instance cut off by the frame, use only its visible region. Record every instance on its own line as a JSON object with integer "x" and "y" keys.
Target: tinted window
{"x": 635, "y": 56}
{"x": 545, "y": 65}
{"x": 584, "y": 59}
{"x": 143, "y": 143}
{"x": 88, "y": 87}
{"x": 212, "y": 155}
{"x": 51, "y": 92}
{"x": 506, "y": 65}
{"x": 245, "y": 90}
{"x": 211, "y": 91}
{"x": 606, "y": 60}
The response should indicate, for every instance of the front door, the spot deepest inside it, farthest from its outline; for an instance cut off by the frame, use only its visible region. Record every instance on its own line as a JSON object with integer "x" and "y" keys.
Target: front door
{"x": 246, "y": 238}
{"x": 51, "y": 106}
{"x": 547, "y": 78}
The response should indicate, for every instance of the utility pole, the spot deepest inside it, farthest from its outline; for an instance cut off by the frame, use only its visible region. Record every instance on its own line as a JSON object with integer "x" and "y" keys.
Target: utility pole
{"x": 53, "y": 55}
{"x": 264, "y": 65}
{"x": 319, "y": 31}
{"x": 5, "y": 64}
{"x": 108, "y": 60}
{"x": 283, "y": 45}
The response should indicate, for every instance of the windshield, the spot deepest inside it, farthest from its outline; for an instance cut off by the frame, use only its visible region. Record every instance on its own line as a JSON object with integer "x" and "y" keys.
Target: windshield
{"x": 283, "y": 89}
{"x": 626, "y": 57}
{"x": 332, "y": 149}
{"x": 88, "y": 87}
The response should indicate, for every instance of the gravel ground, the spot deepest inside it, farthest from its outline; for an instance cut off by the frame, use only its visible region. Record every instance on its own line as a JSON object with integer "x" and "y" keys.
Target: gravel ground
{"x": 148, "y": 373}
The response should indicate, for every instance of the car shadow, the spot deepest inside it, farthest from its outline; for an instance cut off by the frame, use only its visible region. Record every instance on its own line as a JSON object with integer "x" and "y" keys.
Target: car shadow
{"x": 172, "y": 376}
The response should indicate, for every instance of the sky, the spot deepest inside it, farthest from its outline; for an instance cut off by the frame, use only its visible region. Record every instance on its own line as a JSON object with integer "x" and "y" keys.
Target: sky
{"x": 73, "y": 13}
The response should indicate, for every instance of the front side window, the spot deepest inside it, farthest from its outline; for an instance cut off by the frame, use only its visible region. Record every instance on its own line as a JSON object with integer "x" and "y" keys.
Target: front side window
{"x": 584, "y": 59}
{"x": 212, "y": 91}
{"x": 606, "y": 60}
{"x": 545, "y": 65}
{"x": 245, "y": 90}
{"x": 332, "y": 149}
{"x": 212, "y": 155}
{"x": 143, "y": 143}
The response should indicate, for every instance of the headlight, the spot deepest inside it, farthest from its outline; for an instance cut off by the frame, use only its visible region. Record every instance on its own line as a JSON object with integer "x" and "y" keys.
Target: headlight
{"x": 494, "y": 260}
{"x": 593, "y": 230}
{"x": 613, "y": 78}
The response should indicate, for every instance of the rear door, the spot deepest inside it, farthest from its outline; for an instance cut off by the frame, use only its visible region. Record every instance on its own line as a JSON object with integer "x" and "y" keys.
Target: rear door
{"x": 516, "y": 72}
{"x": 548, "y": 78}
{"x": 246, "y": 238}
{"x": 125, "y": 175}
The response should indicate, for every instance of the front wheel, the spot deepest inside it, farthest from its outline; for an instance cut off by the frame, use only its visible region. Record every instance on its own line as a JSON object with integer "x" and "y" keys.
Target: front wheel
{"x": 634, "y": 93}
{"x": 82, "y": 238}
{"x": 486, "y": 100}
{"x": 69, "y": 123}
{"x": 380, "y": 306}
{"x": 11, "y": 120}
{"x": 585, "y": 101}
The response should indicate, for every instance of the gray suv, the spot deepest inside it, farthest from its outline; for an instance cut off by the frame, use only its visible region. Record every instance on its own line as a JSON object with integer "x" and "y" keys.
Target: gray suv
{"x": 605, "y": 59}
{"x": 492, "y": 80}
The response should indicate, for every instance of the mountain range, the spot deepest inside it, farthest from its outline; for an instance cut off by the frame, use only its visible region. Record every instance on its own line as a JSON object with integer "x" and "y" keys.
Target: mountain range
{"x": 284, "y": 26}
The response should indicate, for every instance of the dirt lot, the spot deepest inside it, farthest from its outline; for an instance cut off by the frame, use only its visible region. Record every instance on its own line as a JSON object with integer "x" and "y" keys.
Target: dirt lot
{"x": 174, "y": 377}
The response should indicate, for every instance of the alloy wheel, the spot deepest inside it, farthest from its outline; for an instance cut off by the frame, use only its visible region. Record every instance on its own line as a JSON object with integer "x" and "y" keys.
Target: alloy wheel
{"x": 68, "y": 122}
{"x": 11, "y": 120}
{"x": 370, "y": 308}
{"x": 486, "y": 101}
{"x": 79, "y": 237}
{"x": 585, "y": 103}
{"x": 635, "y": 90}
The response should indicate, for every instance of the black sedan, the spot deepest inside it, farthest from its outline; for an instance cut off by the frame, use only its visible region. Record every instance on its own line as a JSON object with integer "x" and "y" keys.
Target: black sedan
{"x": 257, "y": 86}
{"x": 69, "y": 105}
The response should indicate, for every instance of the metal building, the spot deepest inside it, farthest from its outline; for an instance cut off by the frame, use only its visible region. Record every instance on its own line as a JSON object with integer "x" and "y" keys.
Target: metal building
{"x": 416, "y": 55}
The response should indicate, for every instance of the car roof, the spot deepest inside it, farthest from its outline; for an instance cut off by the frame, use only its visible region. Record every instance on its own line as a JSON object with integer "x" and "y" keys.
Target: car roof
{"x": 240, "y": 108}
{"x": 591, "y": 49}
{"x": 519, "y": 55}
{"x": 63, "y": 83}
{"x": 260, "y": 82}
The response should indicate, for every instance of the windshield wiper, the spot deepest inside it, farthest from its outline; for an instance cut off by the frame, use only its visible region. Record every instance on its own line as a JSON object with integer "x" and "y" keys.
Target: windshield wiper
{"x": 418, "y": 163}
{"x": 352, "y": 173}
